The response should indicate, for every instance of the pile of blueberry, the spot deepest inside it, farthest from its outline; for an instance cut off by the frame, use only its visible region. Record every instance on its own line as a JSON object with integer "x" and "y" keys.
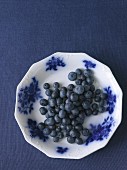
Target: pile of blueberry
{"x": 67, "y": 107}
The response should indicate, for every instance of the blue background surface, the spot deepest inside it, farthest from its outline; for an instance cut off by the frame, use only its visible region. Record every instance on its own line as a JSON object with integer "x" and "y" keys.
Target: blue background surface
{"x": 32, "y": 30}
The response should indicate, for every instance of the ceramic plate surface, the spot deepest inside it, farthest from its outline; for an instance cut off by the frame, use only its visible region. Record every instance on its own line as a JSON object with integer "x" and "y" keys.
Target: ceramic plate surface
{"x": 56, "y": 68}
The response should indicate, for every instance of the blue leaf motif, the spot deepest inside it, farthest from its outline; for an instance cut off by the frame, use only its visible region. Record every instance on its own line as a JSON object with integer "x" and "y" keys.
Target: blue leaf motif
{"x": 101, "y": 131}
{"x": 89, "y": 64}
{"x": 61, "y": 150}
{"x": 27, "y": 96}
{"x": 55, "y": 62}
{"x": 111, "y": 100}
{"x": 35, "y": 131}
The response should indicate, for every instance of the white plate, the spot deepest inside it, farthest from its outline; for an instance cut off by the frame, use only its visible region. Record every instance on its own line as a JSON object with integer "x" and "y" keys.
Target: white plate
{"x": 56, "y": 68}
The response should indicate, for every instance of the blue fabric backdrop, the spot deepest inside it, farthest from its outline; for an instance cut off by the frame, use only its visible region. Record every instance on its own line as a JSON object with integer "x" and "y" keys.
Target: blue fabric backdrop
{"x": 31, "y": 30}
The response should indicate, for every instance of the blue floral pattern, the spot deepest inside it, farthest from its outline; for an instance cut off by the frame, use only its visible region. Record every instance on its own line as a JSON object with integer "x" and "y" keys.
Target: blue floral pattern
{"x": 101, "y": 131}
{"x": 111, "y": 100}
{"x": 35, "y": 131}
{"x": 27, "y": 96}
{"x": 55, "y": 62}
{"x": 89, "y": 64}
{"x": 61, "y": 150}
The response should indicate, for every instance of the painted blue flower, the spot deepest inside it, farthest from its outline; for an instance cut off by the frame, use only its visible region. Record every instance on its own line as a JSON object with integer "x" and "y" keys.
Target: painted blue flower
{"x": 54, "y": 62}
{"x": 61, "y": 150}
{"x": 27, "y": 96}
{"x": 101, "y": 131}
{"x": 89, "y": 64}
{"x": 111, "y": 100}
{"x": 35, "y": 131}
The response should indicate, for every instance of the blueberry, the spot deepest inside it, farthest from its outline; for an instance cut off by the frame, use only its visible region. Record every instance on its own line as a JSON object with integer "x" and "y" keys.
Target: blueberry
{"x": 85, "y": 132}
{"x": 52, "y": 102}
{"x": 69, "y": 93}
{"x": 57, "y": 119}
{"x": 64, "y": 99}
{"x": 71, "y": 116}
{"x": 79, "y": 89}
{"x": 46, "y": 86}
{"x": 79, "y": 141}
{"x": 72, "y": 76}
{"x": 86, "y": 88}
{"x": 78, "y": 81}
{"x": 69, "y": 106}
{"x": 49, "y": 97}
{"x": 62, "y": 113}
{"x": 63, "y": 127}
{"x": 68, "y": 101}
{"x": 86, "y": 104}
{"x": 48, "y": 92}
{"x": 79, "y": 127}
{"x": 50, "y": 121}
{"x": 57, "y": 109}
{"x": 80, "y": 108}
{"x": 56, "y": 139}
{"x": 104, "y": 96}
{"x": 70, "y": 139}
{"x": 92, "y": 88}
{"x": 63, "y": 94}
{"x": 47, "y": 115}
{"x": 103, "y": 103}
{"x": 74, "y": 97}
{"x": 90, "y": 100}
{"x": 74, "y": 133}
{"x": 102, "y": 109}
{"x": 78, "y": 71}
{"x": 82, "y": 77}
{"x": 48, "y": 107}
{"x": 53, "y": 133}
{"x": 56, "y": 85}
{"x": 70, "y": 87}
{"x": 88, "y": 72}
{"x": 94, "y": 106}
{"x": 97, "y": 91}
{"x": 62, "y": 106}
{"x": 43, "y": 102}
{"x": 43, "y": 110}
{"x": 60, "y": 135}
{"x": 65, "y": 133}
{"x": 74, "y": 122}
{"x": 84, "y": 83}
{"x": 46, "y": 131}
{"x": 69, "y": 127}
{"x": 66, "y": 121}
{"x": 80, "y": 120}
{"x": 41, "y": 126}
{"x": 97, "y": 98}
{"x": 95, "y": 112}
{"x": 82, "y": 115}
{"x": 77, "y": 103}
{"x": 81, "y": 98}
{"x": 52, "y": 112}
{"x": 89, "y": 80}
{"x": 63, "y": 89}
{"x": 88, "y": 112}
{"x": 59, "y": 101}
{"x": 88, "y": 94}
{"x": 55, "y": 94}
{"x": 58, "y": 129}
{"x": 75, "y": 111}
{"x": 53, "y": 127}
